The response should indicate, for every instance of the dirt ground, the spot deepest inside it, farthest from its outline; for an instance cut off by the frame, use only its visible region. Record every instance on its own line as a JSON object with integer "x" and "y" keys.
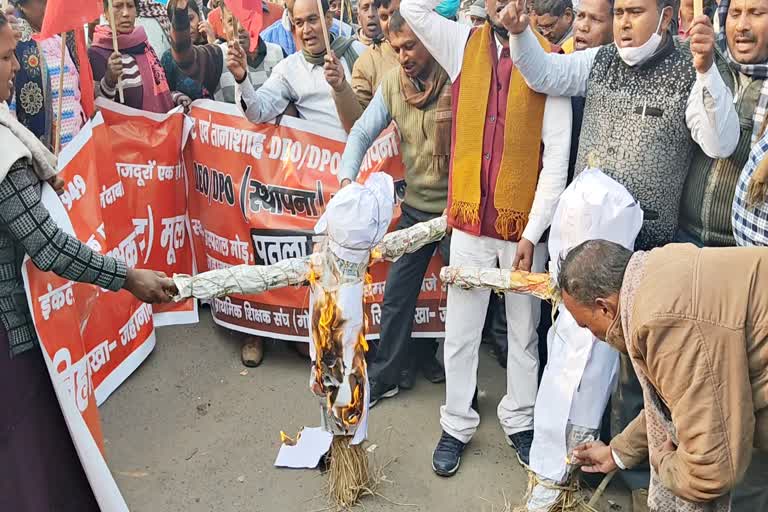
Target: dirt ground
{"x": 189, "y": 432}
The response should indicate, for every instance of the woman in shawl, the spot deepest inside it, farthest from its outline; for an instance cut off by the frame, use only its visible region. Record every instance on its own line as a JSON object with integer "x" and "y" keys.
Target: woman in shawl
{"x": 41, "y": 470}
{"x": 134, "y": 67}
{"x": 37, "y": 82}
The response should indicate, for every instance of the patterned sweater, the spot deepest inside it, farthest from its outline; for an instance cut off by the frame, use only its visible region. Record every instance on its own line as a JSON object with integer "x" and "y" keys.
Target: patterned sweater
{"x": 27, "y": 228}
{"x": 639, "y": 137}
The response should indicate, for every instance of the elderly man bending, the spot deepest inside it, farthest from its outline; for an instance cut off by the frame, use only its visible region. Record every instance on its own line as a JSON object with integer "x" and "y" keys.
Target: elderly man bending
{"x": 694, "y": 323}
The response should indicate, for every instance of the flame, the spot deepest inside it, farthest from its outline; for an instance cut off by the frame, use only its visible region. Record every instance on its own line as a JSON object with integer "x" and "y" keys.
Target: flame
{"x": 288, "y": 440}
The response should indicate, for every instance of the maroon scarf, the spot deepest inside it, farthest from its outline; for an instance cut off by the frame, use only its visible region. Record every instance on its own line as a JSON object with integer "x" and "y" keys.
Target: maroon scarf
{"x": 156, "y": 94}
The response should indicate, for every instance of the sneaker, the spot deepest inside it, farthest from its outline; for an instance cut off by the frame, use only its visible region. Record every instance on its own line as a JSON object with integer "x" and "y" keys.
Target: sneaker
{"x": 522, "y": 442}
{"x": 433, "y": 371}
{"x": 376, "y": 395}
{"x": 407, "y": 380}
{"x": 447, "y": 455}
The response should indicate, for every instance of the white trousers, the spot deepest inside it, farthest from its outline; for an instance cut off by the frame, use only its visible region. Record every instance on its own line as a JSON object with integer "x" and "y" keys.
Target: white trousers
{"x": 463, "y": 331}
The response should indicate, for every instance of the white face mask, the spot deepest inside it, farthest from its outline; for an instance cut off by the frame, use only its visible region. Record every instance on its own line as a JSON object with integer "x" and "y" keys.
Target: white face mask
{"x": 636, "y": 55}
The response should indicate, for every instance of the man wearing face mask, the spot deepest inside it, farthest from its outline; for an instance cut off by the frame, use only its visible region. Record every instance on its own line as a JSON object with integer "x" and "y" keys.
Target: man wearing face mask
{"x": 646, "y": 104}
{"x": 508, "y": 168}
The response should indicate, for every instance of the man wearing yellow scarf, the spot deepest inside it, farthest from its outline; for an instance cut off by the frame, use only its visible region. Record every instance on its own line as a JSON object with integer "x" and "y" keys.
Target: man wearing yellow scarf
{"x": 509, "y": 161}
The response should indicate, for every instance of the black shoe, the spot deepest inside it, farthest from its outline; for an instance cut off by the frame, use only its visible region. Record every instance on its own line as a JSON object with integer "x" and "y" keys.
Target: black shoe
{"x": 447, "y": 455}
{"x": 377, "y": 395}
{"x": 407, "y": 379}
{"x": 522, "y": 442}
{"x": 433, "y": 371}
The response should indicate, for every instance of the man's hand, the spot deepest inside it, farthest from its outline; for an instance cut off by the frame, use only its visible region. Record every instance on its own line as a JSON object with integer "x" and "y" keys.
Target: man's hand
{"x": 661, "y": 451}
{"x": 702, "y": 43}
{"x": 114, "y": 69}
{"x": 236, "y": 61}
{"x": 514, "y": 17}
{"x": 207, "y": 31}
{"x": 150, "y": 286}
{"x": 57, "y": 183}
{"x": 524, "y": 255}
{"x": 594, "y": 457}
{"x": 334, "y": 72}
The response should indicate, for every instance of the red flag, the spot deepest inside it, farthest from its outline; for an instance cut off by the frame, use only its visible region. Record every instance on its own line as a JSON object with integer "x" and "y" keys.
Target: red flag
{"x": 250, "y": 15}
{"x": 87, "y": 93}
{"x": 65, "y": 15}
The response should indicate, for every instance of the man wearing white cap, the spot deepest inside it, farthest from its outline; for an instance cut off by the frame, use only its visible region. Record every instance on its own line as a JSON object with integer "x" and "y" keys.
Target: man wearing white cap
{"x": 477, "y": 13}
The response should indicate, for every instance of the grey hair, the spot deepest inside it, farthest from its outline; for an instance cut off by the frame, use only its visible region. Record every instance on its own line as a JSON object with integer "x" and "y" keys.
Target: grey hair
{"x": 593, "y": 270}
{"x": 552, "y": 7}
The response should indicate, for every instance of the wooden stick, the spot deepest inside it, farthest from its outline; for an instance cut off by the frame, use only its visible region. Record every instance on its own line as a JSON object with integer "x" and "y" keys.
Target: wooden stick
{"x": 5, "y": 5}
{"x": 601, "y": 488}
{"x": 325, "y": 27}
{"x": 116, "y": 48}
{"x": 698, "y": 8}
{"x": 61, "y": 93}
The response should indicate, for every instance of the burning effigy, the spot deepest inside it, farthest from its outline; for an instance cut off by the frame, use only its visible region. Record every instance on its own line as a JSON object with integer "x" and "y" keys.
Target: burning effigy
{"x": 355, "y": 226}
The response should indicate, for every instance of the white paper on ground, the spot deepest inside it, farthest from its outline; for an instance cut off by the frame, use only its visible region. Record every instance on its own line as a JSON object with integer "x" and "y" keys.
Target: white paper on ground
{"x": 579, "y": 374}
{"x": 311, "y": 446}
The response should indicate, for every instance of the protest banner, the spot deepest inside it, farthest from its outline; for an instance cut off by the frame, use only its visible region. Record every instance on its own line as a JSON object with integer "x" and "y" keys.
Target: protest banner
{"x": 147, "y": 159}
{"x": 255, "y": 192}
{"x": 60, "y": 309}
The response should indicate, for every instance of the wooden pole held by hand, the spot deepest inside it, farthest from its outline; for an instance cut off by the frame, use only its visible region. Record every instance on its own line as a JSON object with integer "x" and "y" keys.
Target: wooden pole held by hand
{"x": 116, "y": 48}
{"x": 326, "y": 37}
{"x": 57, "y": 146}
{"x": 698, "y": 8}
{"x": 5, "y": 5}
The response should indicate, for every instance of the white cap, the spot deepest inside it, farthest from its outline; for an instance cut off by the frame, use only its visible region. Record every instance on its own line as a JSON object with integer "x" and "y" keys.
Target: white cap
{"x": 358, "y": 216}
{"x": 477, "y": 9}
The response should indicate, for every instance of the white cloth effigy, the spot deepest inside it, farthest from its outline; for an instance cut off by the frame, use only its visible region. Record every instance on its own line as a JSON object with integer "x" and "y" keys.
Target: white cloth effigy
{"x": 581, "y": 371}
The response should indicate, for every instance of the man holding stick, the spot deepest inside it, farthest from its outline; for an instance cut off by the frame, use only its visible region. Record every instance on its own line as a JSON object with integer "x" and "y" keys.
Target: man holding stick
{"x": 694, "y": 323}
{"x": 300, "y": 78}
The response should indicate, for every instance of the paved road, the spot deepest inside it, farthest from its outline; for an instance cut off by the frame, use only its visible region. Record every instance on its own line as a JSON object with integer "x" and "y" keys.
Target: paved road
{"x": 188, "y": 433}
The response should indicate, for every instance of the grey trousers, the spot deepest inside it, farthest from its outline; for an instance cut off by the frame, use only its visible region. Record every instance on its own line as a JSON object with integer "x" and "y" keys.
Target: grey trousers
{"x": 751, "y": 494}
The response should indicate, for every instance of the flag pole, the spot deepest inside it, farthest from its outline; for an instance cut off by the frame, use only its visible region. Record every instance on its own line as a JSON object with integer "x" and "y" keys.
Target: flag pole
{"x": 325, "y": 27}
{"x": 116, "y": 48}
{"x": 698, "y": 8}
{"x": 5, "y": 6}
{"x": 61, "y": 92}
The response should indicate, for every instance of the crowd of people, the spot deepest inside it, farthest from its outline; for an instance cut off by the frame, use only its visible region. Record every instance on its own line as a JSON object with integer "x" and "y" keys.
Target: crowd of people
{"x": 499, "y": 105}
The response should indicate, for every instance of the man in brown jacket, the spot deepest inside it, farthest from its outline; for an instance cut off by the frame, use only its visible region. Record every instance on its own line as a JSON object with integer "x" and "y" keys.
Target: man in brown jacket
{"x": 694, "y": 323}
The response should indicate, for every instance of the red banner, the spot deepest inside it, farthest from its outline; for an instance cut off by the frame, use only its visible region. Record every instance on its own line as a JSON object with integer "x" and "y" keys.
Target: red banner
{"x": 255, "y": 194}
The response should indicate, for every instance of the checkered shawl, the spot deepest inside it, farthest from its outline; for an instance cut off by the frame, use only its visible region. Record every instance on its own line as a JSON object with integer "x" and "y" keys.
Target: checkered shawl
{"x": 750, "y": 221}
{"x": 756, "y": 71}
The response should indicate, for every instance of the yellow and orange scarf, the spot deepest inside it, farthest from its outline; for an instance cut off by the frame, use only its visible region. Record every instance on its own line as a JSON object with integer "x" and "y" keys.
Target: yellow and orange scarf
{"x": 519, "y": 170}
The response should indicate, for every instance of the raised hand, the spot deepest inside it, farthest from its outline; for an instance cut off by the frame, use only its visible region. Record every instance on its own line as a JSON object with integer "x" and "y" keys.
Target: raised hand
{"x": 334, "y": 71}
{"x": 514, "y": 17}
{"x": 702, "y": 41}
{"x": 236, "y": 61}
